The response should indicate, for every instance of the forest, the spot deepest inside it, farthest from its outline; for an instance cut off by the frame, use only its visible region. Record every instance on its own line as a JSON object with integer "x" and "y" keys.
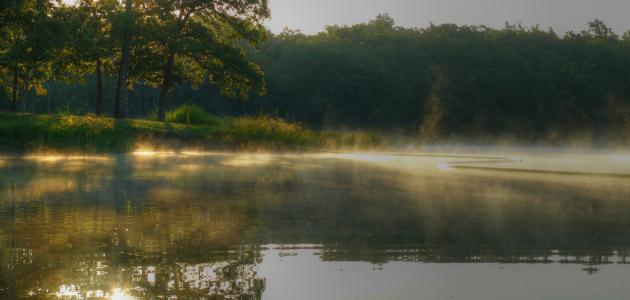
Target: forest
{"x": 441, "y": 82}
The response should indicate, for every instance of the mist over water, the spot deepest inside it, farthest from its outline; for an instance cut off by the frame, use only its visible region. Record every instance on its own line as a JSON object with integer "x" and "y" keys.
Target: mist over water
{"x": 469, "y": 225}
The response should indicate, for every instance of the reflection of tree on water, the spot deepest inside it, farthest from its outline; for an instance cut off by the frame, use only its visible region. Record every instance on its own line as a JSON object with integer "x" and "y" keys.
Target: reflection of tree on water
{"x": 113, "y": 232}
{"x": 226, "y": 279}
{"x": 591, "y": 270}
{"x": 224, "y": 274}
{"x": 472, "y": 254}
{"x": 81, "y": 271}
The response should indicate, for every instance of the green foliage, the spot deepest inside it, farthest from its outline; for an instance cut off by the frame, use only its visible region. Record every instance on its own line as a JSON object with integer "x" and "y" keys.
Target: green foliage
{"x": 365, "y": 76}
{"x": 87, "y": 36}
{"x": 450, "y": 82}
{"x": 27, "y": 46}
{"x": 156, "y": 43}
{"x": 191, "y": 115}
{"x": 279, "y": 132}
{"x": 201, "y": 41}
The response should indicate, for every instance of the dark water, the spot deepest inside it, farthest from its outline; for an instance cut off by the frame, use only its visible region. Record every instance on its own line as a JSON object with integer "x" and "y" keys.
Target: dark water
{"x": 216, "y": 226}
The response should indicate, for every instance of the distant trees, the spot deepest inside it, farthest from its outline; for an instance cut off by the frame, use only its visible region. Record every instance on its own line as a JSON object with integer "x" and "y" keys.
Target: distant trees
{"x": 459, "y": 81}
{"x": 598, "y": 29}
{"x": 372, "y": 75}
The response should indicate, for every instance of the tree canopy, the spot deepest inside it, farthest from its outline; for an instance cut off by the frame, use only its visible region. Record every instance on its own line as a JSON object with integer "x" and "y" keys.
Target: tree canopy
{"x": 153, "y": 43}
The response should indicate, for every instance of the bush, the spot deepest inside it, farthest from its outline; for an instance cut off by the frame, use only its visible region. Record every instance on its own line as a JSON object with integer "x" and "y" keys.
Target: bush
{"x": 271, "y": 129}
{"x": 192, "y": 115}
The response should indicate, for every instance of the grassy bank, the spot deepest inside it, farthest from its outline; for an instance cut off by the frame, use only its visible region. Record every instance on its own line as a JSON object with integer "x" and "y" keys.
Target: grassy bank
{"x": 92, "y": 134}
{"x": 29, "y": 132}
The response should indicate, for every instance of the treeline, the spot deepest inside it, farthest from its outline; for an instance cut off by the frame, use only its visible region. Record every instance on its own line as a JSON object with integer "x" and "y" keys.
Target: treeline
{"x": 453, "y": 81}
{"x": 439, "y": 82}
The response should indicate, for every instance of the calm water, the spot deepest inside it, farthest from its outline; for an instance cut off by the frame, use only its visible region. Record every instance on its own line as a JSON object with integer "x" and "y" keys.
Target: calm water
{"x": 326, "y": 226}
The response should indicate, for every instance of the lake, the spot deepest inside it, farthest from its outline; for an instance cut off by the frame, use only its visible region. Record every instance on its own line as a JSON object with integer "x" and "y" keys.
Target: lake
{"x": 192, "y": 225}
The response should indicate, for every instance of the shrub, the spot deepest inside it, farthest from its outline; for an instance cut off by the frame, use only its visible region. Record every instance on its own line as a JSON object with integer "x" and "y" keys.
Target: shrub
{"x": 191, "y": 114}
{"x": 271, "y": 129}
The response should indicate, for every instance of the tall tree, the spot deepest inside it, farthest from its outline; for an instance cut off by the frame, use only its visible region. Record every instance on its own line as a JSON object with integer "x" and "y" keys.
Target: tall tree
{"x": 125, "y": 27}
{"x": 200, "y": 40}
{"x": 28, "y": 32}
{"x": 91, "y": 44}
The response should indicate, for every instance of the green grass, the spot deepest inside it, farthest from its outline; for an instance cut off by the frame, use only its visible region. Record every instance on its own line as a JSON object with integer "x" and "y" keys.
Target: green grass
{"x": 29, "y": 132}
{"x": 187, "y": 127}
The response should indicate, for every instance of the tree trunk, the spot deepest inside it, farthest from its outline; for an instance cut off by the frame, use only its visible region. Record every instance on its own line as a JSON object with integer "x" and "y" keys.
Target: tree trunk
{"x": 14, "y": 96}
{"x": 24, "y": 92}
{"x": 167, "y": 83}
{"x": 121, "y": 86}
{"x": 123, "y": 71}
{"x": 99, "y": 87}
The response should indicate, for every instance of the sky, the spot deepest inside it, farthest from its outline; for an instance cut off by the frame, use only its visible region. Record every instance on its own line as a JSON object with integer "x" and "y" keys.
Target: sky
{"x": 311, "y": 16}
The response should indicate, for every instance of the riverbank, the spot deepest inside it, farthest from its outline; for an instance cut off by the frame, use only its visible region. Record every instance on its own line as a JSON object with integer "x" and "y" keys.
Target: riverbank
{"x": 92, "y": 134}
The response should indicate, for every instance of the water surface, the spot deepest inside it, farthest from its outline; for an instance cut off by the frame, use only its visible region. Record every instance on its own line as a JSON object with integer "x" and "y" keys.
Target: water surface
{"x": 318, "y": 226}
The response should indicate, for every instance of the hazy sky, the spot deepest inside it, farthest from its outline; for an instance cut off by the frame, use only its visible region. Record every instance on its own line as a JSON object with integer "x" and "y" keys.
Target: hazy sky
{"x": 311, "y": 16}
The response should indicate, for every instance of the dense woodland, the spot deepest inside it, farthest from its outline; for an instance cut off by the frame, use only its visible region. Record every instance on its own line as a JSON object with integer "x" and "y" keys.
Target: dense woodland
{"x": 442, "y": 81}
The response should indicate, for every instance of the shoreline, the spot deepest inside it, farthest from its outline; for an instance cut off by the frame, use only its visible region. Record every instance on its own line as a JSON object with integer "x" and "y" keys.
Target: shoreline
{"x": 26, "y": 133}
